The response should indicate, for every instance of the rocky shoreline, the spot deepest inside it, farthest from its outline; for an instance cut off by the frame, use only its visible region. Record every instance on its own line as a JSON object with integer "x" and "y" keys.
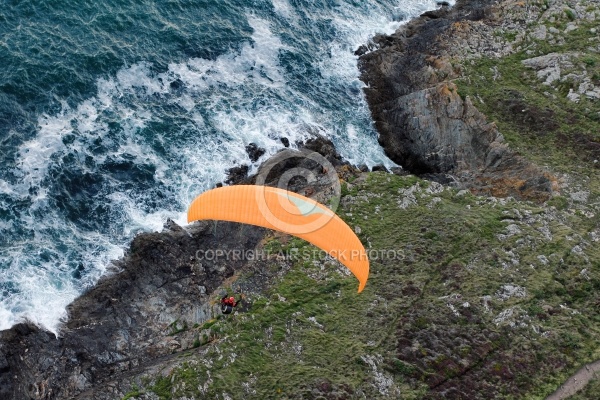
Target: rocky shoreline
{"x": 137, "y": 321}
{"x": 137, "y": 317}
{"x": 424, "y": 124}
{"x": 122, "y": 323}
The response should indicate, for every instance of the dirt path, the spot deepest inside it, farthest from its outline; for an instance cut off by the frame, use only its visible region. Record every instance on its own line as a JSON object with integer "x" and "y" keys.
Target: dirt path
{"x": 577, "y": 381}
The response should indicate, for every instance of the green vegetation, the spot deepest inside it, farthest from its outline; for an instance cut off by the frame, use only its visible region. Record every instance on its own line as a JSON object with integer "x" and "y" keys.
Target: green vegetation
{"x": 457, "y": 286}
{"x": 135, "y": 392}
{"x": 494, "y": 298}
{"x": 177, "y": 327}
{"x": 162, "y": 387}
{"x": 536, "y": 119}
{"x": 570, "y": 14}
{"x": 509, "y": 36}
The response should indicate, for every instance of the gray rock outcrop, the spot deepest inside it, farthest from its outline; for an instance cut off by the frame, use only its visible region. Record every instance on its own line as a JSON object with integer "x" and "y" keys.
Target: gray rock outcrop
{"x": 424, "y": 124}
{"x": 129, "y": 319}
{"x": 137, "y": 317}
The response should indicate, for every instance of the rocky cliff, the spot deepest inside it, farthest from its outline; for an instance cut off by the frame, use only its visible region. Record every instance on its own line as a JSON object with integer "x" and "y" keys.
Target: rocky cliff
{"x": 141, "y": 313}
{"x": 122, "y": 324}
{"x": 470, "y": 295}
{"x": 424, "y": 124}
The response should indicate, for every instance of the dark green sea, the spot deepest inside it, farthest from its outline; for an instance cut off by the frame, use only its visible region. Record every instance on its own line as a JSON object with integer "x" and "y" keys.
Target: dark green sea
{"x": 115, "y": 114}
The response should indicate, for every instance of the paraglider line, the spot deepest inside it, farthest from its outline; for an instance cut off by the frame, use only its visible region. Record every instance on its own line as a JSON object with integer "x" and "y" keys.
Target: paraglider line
{"x": 215, "y": 228}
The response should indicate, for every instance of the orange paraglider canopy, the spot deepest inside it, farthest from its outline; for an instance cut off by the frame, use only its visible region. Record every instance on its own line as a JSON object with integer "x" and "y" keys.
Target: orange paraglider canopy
{"x": 287, "y": 212}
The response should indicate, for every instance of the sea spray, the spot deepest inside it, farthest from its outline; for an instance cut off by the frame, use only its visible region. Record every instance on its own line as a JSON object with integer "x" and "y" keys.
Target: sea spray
{"x": 129, "y": 122}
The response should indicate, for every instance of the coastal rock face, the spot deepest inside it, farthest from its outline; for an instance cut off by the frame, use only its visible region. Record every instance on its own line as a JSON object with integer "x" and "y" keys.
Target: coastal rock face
{"x": 424, "y": 124}
{"x": 471, "y": 307}
{"x": 127, "y": 320}
{"x": 136, "y": 318}
{"x": 441, "y": 132}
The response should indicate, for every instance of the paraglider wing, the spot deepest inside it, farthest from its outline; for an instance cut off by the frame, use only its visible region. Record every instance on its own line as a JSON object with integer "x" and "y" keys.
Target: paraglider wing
{"x": 287, "y": 212}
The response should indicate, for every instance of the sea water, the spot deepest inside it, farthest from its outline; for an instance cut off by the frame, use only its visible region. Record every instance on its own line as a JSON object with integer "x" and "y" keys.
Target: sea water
{"x": 115, "y": 114}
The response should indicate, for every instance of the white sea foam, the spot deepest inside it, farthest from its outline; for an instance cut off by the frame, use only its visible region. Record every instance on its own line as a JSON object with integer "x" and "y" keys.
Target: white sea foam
{"x": 283, "y": 8}
{"x": 220, "y": 106}
{"x": 39, "y": 271}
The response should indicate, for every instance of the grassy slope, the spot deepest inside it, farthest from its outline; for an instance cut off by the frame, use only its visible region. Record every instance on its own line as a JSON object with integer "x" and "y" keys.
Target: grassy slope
{"x": 423, "y": 318}
{"x": 538, "y": 120}
{"x": 504, "y": 292}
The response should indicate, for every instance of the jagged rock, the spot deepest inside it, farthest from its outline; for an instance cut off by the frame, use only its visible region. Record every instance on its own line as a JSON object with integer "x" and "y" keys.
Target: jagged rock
{"x": 108, "y": 327}
{"x": 573, "y": 96}
{"x": 540, "y": 32}
{"x": 308, "y": 171}
{"x": 379, "y": 167}
{"x": 172, "y": 226}
{"x": 398, "y": 171}
{"x": 361, "y": 50}
{"x": 548, "y": 67}
{"x": 136, "y": 317}
{"x": 441, "y": 132}
{"x": 254, "y": 152}
{"x": 434, "y": 14}
{"x": 236, "y": 175}
{"x": 176, "y": 84}
{"x": 571, "y": 26}
{"x": 325, "y": 147}
{"x": 424, "y": 124}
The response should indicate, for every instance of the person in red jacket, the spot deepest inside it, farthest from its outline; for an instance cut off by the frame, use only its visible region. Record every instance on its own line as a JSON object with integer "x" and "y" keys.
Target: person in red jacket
{"x": 228, "y": 303}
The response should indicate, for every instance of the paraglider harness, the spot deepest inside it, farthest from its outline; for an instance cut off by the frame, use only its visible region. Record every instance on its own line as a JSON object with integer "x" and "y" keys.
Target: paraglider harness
{"x": 227, "y": 304}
